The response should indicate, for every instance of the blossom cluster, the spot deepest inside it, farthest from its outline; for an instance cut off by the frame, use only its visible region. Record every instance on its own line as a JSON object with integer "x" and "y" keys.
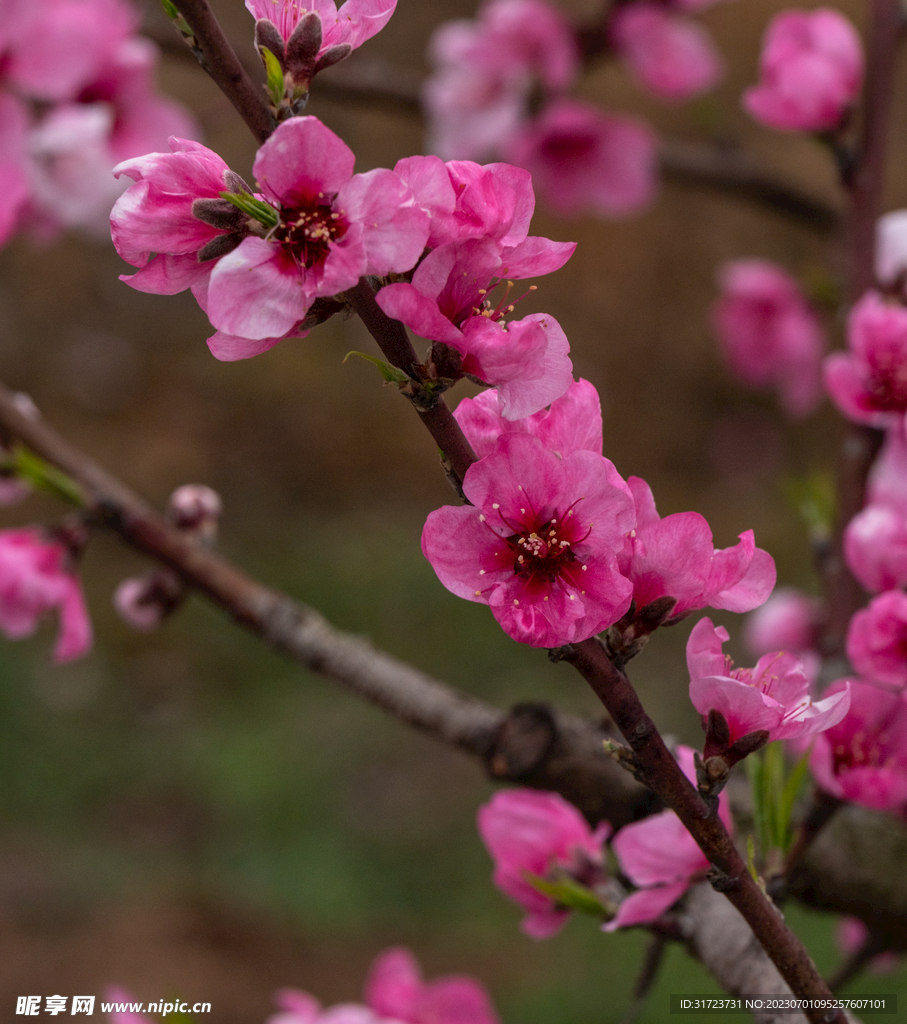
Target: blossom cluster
{"x": 76, "y": 97}
{"x": 559, "y": 545}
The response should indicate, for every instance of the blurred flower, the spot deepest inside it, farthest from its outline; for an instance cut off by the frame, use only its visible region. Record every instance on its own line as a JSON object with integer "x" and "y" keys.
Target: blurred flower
{"x": 877, "y": 639}
{"x": 869, "y": 382}
{"x": 395, "y": 990}
{"x": 528, "y": 832}
{"x": 891, "y": 250}
{"x": 769, "y": 334}
{"x": 670, "y": 55}
{"x": 35, "y": 578}
{"x": 811, "y": 71}
{"x": 786, "y": 622}
{"x": 851, "y": 934}
{"x": 584, "y": 160}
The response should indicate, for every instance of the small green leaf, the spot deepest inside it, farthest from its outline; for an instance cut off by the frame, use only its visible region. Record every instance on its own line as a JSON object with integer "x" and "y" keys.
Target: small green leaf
{"x": 567, "y": 893}
{"x": 751, "y": 858}
{"x": 789, "y": 794}
{"x": 170, "y": 10}
{"x": 388, "y": 372}
{"x": 814, "y": 499}
{"x": 257, "y": 209}
{"x": 45, "y": 477}
{"x": 274, "y": 72}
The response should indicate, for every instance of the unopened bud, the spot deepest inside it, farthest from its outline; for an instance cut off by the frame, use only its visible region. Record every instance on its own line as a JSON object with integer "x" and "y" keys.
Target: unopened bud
{"x": 144, "y": 602}
{"x": 196, "y": 508}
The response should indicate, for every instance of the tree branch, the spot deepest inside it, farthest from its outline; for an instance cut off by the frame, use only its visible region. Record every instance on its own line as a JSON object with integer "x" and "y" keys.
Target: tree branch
{"x": 663, "y": 774}
{"x": 225, "y": 68}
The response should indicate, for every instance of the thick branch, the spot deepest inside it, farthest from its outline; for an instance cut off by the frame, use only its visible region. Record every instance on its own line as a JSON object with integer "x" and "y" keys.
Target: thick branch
{"x": 225, "y": 68}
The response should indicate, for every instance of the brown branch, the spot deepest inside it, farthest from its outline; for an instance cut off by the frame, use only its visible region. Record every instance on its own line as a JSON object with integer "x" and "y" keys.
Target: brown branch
{"x": 663, "y": 774}
{"x": 434, "y": 412}
{"x": 219, "y": 59}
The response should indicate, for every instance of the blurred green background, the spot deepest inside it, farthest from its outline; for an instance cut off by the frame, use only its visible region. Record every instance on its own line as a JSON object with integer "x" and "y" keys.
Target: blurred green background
{"x": 186, "y": 812}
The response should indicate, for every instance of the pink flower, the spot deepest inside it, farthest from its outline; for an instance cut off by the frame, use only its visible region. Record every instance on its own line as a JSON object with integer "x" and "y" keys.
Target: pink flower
{"x": 528, "y": 832}
{"x": 660, "y": 856}
{"x": 869, "y": 383}
{"x": 875, "y": 540}
{"x": 57, "y": 48}
{"x": 35, "y": 577}
{"x": 328, "y": 227}
{"x": 875, "y": 547}
{"x": 769, "y": 334}
{"x": 449, "y": 301}
{"x": 486, "y": 70}
{"x": 539, "y": 542}
{"x": 811, "y": 71}
{"x": 787, "y": 621}
{"x": 573, "y": 422}
{"x": 301, "y": 1008}
{"x": 351, "y": 25}
{"x": 670, "y": 55}
{"x": 582, "y": 159}
{"x": 395, "y": 991}
{"x": 675, "y": 557}
{"x": 864, "y": 757}
{"x": 877, "y": 639}
{"x": 774, "y": 696}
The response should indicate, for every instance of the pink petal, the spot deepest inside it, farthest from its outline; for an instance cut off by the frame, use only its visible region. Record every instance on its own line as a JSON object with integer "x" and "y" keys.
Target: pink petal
{"x": 647, "y": 905}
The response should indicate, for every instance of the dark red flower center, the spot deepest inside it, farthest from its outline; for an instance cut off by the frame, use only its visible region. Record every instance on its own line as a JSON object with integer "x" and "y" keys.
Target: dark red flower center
{"x": 887, "y": 385}
{"x": 308, "y": 231}
{"x": 864, "y": 750}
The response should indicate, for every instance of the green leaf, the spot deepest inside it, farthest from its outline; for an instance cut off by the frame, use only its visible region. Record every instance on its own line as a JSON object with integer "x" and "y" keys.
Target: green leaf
{"x": 274, "y": 72}
{"x": 170, "y": 10}
{"x": 755, "y": 771}
{"x": 389, "y": 372}
{"x": 45, "y": 477}
{"x": 789, "y": 794}
{"x": 751, "y": 858}
{"x": 567, "y": 893}
{"x": 258, "y": 209}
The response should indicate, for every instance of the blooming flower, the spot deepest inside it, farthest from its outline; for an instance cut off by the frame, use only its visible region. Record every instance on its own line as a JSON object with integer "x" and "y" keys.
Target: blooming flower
{"x": 35, "y": 578}
{"x": 573, "y": 422}
{"x": 811, "y": 70}
{"x": 539, "y": 542}
{"x": 448, "y": 301}
{"x": 528, "y": 832}
{"x": 869, "y": 383}
{"x": 877, "y": 639}
{"x": 660, "y": 856}
{"x": 769, "y": 334}
{"x": 670, "y": 55}
{"x": 582, "y": 159}
{"x": 774, "y": 696}
{"x": 674, "y": 557}
{"x": 328, "y": 227}
{"x": 864, "y": 757}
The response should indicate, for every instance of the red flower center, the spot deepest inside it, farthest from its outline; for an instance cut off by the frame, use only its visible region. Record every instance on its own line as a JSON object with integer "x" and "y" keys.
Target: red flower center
{"x": 308, "y": 231}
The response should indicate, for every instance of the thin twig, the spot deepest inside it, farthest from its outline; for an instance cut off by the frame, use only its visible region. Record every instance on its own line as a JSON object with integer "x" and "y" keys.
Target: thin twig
{"x": 653, "y": 958}
{"x": 225, "y": 68}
